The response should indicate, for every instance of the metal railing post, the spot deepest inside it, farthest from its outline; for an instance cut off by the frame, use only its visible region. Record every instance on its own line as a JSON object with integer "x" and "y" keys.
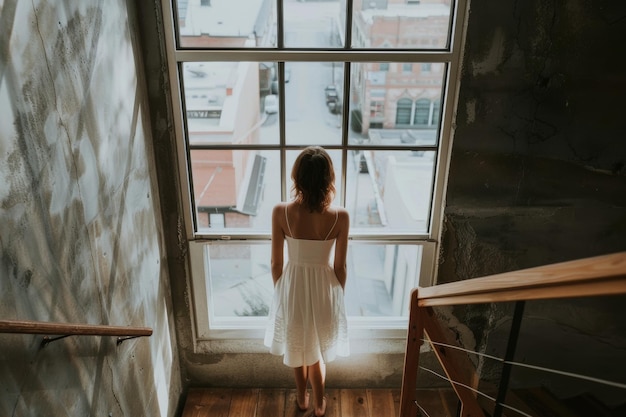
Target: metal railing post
{"x": 505, "y": 376}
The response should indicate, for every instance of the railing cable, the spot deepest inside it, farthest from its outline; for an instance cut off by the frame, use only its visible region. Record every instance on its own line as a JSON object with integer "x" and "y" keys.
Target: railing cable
{"x": 422, "y": 410}
{"x": 536, "y": 367}
{"x": 476, "y": 391}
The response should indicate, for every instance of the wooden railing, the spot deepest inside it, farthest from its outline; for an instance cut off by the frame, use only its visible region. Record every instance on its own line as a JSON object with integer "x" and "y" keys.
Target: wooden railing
{"x": 601, "y": 275}
{"x": 69, "y": 329}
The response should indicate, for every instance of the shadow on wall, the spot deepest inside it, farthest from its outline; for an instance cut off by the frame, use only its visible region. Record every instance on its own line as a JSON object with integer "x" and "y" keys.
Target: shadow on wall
{"x": 81, "y": 239}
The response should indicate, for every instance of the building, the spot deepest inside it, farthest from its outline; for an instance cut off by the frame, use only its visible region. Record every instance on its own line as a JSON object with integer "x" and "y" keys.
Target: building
{"x": 217, "y": 23}
{"x": 224, "y": 106}
{"x": 399, "y": 95}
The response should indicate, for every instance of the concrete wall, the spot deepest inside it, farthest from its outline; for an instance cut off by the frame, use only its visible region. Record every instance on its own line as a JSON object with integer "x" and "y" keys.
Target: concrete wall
{"x": 81, "y": 239}
{"x": 538, "y": 170}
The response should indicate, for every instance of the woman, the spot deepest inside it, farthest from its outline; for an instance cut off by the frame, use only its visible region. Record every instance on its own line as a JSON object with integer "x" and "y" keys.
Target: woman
{"x": 307, "y": 320}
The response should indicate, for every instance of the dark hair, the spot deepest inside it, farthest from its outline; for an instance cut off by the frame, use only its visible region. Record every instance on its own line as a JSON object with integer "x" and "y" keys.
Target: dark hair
{"x": 313, "y": 178}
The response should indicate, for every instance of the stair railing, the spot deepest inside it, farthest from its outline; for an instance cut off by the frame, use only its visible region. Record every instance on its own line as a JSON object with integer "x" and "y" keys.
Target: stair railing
{"x": 596, "y": 276}
{"x": 69, "y": 329}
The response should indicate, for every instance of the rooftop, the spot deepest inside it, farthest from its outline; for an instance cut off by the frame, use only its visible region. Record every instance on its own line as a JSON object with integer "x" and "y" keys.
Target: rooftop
{"x": 407, "y": 10}
{"x": 221, "y": 18}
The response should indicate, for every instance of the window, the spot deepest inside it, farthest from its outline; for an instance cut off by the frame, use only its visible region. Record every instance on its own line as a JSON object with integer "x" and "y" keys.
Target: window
{"x": 327, "y": 86}
{"x": 422, "y": 112}
{"x": 403, "y": 111}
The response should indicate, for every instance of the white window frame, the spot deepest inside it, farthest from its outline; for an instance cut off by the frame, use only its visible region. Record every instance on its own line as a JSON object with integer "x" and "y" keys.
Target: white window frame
{"x": 430, "y": 241}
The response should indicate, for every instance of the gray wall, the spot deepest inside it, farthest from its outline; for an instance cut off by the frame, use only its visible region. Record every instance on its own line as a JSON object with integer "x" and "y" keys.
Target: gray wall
{"x": 538, "y": 171}
{"x": 81, "y": 239}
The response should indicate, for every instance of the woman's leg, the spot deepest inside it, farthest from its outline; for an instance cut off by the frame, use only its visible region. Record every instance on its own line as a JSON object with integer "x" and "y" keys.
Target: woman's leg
{"x": 301, "y": 375}
{"x": 317, "y": 375}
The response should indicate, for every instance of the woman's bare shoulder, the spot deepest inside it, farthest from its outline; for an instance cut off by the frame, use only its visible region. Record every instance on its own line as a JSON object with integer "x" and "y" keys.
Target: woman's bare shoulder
{"x": 343, "y": 217}
{"x": 341, "y": 211}
{"x": 279, "y": 207}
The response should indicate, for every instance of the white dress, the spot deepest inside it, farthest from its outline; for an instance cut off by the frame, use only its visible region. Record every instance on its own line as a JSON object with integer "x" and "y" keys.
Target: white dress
{"x": 307, "y": 320}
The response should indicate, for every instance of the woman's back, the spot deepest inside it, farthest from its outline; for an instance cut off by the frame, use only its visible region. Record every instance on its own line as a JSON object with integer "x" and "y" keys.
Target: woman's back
{"x": 303, "y": 224}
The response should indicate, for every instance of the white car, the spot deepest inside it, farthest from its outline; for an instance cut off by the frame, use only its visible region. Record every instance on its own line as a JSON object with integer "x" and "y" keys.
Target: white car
{"x": 271, "y": 104}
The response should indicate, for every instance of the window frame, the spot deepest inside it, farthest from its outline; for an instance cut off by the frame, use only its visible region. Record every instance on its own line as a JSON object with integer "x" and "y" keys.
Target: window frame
{"x": 450, "y": 57}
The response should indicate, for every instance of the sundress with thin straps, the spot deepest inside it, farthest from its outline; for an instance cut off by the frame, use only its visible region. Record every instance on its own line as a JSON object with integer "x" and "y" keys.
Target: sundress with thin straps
{"x": 327, "y": 235}
{"x": 307, "y": 320}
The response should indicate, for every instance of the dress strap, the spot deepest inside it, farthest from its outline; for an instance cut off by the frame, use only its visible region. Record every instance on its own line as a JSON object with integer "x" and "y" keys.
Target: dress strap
{"x": 331, "y": 229}
{"x": 287, "y": 218}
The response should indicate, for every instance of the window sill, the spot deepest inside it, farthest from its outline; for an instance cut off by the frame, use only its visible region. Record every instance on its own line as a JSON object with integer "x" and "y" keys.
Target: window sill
{"x": 362, "y": 341}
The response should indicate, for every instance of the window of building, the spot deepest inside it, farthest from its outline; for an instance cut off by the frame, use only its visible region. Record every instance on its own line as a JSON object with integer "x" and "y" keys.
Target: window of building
{"x": 436, "y": 112}
{"x": 422, "y": 112}
{"x": 403, "y": 111}
{"x": 327, "y": 88}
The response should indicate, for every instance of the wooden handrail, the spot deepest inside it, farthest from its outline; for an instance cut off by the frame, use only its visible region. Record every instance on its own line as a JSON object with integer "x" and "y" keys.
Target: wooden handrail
{"x": 600, "y": 275}
{"x": 42, "y": 327}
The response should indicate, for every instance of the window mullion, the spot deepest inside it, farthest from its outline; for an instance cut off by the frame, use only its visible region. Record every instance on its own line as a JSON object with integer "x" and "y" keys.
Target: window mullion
{"x": 312, "y": 55}
{"x": 280, "y": 27}
{"x": 349, "y": 20}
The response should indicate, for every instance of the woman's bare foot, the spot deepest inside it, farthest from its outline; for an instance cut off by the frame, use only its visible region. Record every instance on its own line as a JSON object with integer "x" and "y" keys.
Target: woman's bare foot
{"x": 303, "y": 405}
{"x": 319, "y": 412}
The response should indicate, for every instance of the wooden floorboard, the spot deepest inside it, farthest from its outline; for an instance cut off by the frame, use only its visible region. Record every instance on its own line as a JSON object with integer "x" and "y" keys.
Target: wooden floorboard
{"x": 280, "y": 402}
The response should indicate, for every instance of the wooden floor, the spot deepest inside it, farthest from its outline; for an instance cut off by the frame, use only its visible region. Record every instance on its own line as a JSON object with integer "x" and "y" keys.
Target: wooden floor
{"x": 226, "y": 402}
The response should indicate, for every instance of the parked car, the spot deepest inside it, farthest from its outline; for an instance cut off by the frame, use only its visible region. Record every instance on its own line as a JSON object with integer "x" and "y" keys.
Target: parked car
{"x": 271, "y": 104}
{"x": 335, "y": 107}
{"x": 363, "y": 169}
{"x": 331, "y": 94}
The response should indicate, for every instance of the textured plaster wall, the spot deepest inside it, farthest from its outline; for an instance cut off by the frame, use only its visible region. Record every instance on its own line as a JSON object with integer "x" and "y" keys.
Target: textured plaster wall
{"x": 538, "y": 171}
{"x": 80, "y": 226}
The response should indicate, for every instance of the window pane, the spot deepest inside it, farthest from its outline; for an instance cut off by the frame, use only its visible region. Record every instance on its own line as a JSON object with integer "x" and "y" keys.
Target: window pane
{"x": 390, "y": 191}
{"x": 240, "y": 280}
{"x": 226, "y": 103}
{"x": 240, "y": 185}
{"x": 313, "y": 103}
{"x": 313, "y": 24}
{"x": 380, "y": 278}
{"x": 394, "y": 107}
{"x": 226, "y": 23}
{"x": 401, "y": 24}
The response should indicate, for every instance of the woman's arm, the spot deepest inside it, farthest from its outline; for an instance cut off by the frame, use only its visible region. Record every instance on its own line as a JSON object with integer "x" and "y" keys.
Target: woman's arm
{"x": 341, "y": 247}
{"x": 278, "y": 242}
